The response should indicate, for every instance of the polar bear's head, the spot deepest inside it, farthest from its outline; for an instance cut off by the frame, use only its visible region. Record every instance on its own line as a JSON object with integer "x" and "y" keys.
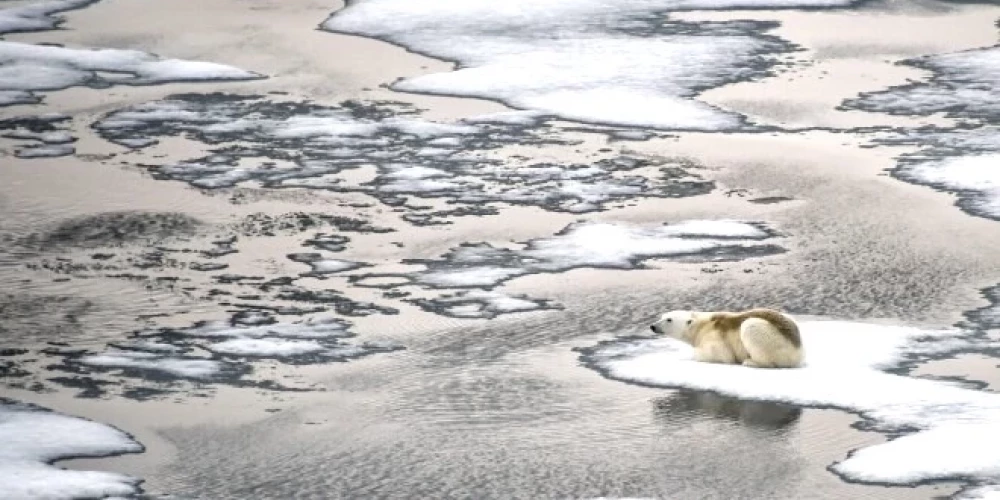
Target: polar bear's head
{"x": 674, "y": 324}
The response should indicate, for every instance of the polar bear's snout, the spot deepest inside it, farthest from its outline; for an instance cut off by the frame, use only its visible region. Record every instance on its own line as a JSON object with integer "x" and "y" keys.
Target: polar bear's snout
{"x": 655, "y": 329}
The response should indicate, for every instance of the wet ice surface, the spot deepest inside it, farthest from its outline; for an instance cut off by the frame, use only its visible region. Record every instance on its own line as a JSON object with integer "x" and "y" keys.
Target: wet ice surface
{"x": 625, "y": 63}
{"x": 309, "y": 146}
{"x": 958, "y": 160}
{"x": 946, "y": 429}
{"x": 33, "y": 438}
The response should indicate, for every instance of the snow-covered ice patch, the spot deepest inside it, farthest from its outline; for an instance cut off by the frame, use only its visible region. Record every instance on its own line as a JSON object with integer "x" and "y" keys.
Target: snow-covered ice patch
{"x": 620, "y": 63}
{"x": 37, "y": 16}
{"x": 34, "y": 438}
{"x": 949, "y": 431}
{"x": 266, "y": 347}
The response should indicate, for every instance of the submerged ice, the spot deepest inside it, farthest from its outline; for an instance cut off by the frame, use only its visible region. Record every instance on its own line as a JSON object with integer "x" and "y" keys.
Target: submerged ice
{"x": 33, "y": 438}
{"x": 949, "y": 431}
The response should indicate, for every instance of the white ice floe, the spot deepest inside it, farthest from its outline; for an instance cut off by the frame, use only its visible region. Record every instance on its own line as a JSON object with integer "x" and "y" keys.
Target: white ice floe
{"x": 33, "y": 438}
{"x": 952, "y": 430}
{"x": 175, "y": 366}
{"x": 980, "y": 493}
{"x": 26, "y": 69}
{"x": 36, "y": 16}
{"x": 622, "y": 63}
{"x": 595, "y": 245}
{"x": 266, "y": 347}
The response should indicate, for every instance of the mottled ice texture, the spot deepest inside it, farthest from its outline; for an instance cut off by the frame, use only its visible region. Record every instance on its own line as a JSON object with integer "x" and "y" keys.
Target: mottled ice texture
{"x": 225, "y": 351}
{"x": 950, "y": 430}
{"x": 37, "y": 16}
{"x": 33, "y": 438}
{"x": 593, "y": 245}
{"x": 413, "y": 158}
{"x": 40, "y": 136}
{"x": 621, "y": 63}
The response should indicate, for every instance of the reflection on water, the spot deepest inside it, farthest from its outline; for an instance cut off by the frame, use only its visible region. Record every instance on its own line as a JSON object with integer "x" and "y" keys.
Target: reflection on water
{"x": 762, "y": 415}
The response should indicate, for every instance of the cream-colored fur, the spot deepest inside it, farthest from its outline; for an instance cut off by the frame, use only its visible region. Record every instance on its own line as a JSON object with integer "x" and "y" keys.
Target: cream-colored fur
{"x": 761, "y": 338}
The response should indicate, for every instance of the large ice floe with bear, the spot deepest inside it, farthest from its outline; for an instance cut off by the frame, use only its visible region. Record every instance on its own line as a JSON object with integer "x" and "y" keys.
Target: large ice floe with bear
{"x": 33, "y": 438}
{"x": 944, "y": 430}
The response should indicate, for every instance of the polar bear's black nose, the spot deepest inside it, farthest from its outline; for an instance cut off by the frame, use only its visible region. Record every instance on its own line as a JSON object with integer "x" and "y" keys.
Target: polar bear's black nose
{"x": 653, "y": 327}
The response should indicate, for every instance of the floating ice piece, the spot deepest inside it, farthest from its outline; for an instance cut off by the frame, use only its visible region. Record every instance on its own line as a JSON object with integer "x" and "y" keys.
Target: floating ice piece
{"x": 321, "y": 266}
{"x": 621, "y": 63}
{"x": 34, "y": 438}
{"x": 36, "y": 68}
{"x": 37, "y": 16}
{"x": 952, "y": 429}
{"x": 266, "y": 347}
{"x": 594, "y": 245}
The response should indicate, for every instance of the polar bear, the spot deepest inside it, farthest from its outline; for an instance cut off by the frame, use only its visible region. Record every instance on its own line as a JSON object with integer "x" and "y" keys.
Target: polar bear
{"x": 761, "y": 338}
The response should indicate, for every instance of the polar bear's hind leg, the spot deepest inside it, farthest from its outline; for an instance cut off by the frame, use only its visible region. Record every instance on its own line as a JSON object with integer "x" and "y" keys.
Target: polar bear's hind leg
{"x": 767, "y": 347}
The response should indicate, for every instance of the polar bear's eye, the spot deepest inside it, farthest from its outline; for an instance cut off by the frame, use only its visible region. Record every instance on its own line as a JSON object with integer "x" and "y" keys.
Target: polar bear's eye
{"x": 670, "y": 320}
